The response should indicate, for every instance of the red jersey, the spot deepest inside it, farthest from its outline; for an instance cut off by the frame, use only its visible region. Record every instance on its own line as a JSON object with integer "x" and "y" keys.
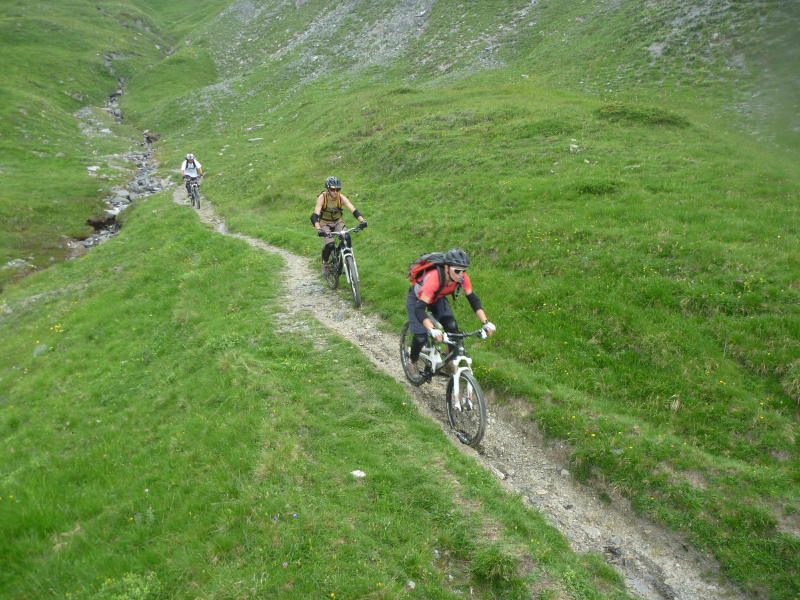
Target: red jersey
{"x": 429, "y": 284}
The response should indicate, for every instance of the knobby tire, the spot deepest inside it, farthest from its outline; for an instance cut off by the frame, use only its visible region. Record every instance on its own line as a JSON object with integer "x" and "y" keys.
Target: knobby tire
{"x": 469, "y": 421}
{"x": 332, "y": 277}
{"x": 405, "y": 351}
{"x": 353, "y": 277}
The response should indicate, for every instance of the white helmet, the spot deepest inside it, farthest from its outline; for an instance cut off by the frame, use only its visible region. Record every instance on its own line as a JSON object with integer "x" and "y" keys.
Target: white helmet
{"x": 190, "y": 157}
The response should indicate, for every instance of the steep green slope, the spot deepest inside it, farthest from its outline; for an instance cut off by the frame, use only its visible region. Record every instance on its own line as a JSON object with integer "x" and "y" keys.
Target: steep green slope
{"x": 60, "y": 57}
{"x": 636, "y": 248}
{"x": 167, "y": 434}
{"x": 638, "y": 251}
{"x": 720, "y": 55}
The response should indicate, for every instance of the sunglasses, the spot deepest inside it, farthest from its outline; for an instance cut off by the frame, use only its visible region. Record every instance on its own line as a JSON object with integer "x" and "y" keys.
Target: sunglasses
{"x": 458, "y": 271}
{"x": 334, "y": 189}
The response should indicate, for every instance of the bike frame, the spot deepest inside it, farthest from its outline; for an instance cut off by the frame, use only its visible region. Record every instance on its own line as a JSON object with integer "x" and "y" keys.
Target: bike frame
{"x": 342, "y": 250}
{"x": 437, "y": 358}
{"x": 192, "y": 182}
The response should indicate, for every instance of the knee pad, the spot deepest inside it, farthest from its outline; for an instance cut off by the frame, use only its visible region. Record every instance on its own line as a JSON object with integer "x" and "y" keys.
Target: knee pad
{"x": 417, "y": 342}
{"x": 449, "y": 324}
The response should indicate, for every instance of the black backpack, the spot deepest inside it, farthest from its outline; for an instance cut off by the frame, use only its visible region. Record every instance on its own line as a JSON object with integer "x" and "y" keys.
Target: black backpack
{"x": 426, "y": 262}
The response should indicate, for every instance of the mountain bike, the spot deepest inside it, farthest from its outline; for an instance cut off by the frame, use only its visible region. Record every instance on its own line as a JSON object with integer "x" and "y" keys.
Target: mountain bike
{"x": 193, "y": 188}
{"x": 466, "y": 407}
{"x": 343, "y": 260}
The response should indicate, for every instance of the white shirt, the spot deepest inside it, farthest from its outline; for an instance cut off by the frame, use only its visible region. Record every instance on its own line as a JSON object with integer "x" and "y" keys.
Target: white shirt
{"x": 191, "y": 171}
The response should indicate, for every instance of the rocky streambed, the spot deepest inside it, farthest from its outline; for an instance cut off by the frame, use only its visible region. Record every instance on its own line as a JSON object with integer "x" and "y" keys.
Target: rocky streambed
{"x": 143, "y": 183}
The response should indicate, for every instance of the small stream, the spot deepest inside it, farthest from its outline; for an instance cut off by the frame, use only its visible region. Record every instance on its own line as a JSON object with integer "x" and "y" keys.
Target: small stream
{"x": 142, "y": 184}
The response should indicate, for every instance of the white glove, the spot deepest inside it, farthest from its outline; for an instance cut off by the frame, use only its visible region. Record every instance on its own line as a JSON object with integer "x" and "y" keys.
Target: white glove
{"x": 488, "y": 326}
{"x": 436, "y": 334}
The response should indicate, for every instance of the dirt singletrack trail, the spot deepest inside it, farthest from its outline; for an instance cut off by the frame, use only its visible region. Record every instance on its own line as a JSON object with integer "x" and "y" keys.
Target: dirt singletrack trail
{"x": 657, "y": 563}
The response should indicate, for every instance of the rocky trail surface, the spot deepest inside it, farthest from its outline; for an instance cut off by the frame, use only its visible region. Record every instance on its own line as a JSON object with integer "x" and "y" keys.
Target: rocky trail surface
{"x": 657, "y": 563}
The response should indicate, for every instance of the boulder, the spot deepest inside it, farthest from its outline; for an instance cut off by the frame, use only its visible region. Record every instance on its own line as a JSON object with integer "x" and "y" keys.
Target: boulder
{"x": 151, "y": 136}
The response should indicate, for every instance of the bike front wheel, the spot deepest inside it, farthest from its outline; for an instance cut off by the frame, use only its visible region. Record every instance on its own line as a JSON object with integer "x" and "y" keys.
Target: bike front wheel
{"x": 352, "y": 275}
{"x": 466, "y": 410}
{"x": 405, "y": 356}
{"x": 332, "y": 274}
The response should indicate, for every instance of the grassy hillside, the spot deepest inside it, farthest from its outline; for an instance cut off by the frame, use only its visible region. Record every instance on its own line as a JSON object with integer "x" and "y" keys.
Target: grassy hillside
{"x": 60, "y": 57}
{"x": 166, "y": 435}
{"x": 623, "y": 175}
{"x": 638, "y": 250}
{"x": 55, "y": 58}
{"x": 646, "y": 283}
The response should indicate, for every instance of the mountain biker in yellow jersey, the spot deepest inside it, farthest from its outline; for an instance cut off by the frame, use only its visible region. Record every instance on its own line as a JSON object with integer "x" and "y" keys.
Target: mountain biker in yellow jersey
{"x": 327, "y": 215}
{"x": 190, "y": 169}
{"x": 430, "y": 294}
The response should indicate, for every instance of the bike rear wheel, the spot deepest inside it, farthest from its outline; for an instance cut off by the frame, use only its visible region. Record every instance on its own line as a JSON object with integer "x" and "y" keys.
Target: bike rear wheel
{"x": 467, "y": 412}
{"x": 352, "y": 275}
{"x": 332, "y": 276}
{"x": 405, "y": 356}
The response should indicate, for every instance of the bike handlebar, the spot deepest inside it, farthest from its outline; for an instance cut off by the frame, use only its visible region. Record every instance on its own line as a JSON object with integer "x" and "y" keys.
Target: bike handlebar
{"x": 449, "y": 337}
{"x": 345, "y": 232}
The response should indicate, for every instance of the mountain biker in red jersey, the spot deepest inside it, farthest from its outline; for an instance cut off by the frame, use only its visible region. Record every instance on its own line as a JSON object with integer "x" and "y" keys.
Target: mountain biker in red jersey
{"x": 327, "y": 215}
{"x": 430, "y": 294}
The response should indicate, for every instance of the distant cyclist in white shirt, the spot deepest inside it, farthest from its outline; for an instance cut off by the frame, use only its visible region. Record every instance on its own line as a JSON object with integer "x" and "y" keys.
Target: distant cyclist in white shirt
{"x": 191, "y": 169}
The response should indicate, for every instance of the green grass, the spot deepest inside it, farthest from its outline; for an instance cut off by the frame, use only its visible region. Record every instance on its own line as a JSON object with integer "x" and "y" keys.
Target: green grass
{"x": 53, "y": 65}
{"x": 164, "y": 432}
{"x": 644, "y": 283}
{"x": 632, "y": 222}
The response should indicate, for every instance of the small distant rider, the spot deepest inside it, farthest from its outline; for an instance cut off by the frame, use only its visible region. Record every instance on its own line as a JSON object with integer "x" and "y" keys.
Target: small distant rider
{"x": 429, "y": 294}
{"x": 327, "y": 216}
{"x": 191, "y": 169}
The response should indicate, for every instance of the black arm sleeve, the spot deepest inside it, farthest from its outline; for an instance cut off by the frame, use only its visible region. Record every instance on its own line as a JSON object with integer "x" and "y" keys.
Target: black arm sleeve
{"x": 357, "y": 213}
{"x": 474, "y": 302}
{"x": 314, "y": 218}
{"x": 420, "y": 311}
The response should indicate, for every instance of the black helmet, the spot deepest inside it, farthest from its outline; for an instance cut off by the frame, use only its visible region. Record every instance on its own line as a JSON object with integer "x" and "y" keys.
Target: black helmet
{"x": 457, "y": 258}
{"x": 333, "y": 182}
